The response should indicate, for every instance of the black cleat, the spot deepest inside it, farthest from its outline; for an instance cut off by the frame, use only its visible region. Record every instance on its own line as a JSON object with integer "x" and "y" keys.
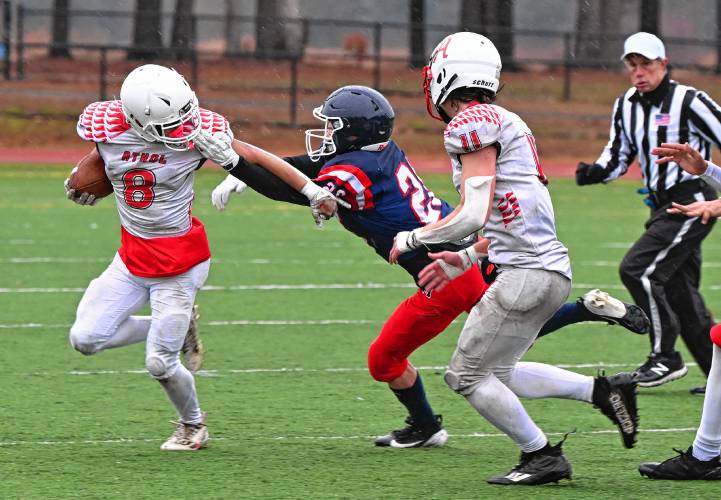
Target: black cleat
{"x": 684, "y": 466}
{"x": 698, "y": 391}
{"x": 413, "y": 436}
{"x": 660, "y": 369}
{"x": 615, "y": 312}
{"x": 615, "y": 396}
{"x": 547, "y": 465}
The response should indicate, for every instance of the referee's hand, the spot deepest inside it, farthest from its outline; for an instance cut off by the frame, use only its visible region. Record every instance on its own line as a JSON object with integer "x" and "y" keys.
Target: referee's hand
{"x": 589, "y": 173}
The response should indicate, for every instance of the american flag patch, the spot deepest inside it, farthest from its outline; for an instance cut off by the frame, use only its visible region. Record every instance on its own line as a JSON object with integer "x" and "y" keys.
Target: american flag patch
{"x": 663, "y": 119}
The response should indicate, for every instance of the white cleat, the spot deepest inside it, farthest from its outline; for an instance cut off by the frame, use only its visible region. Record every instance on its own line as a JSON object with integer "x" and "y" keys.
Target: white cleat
{"x": 187, "y": 437}
{"x": 614, "y": 311}
{"x": 192, "y": 349}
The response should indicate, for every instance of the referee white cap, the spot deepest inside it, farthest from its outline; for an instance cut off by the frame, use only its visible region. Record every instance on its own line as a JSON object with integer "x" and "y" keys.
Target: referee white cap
{"x": 646, "y": 44}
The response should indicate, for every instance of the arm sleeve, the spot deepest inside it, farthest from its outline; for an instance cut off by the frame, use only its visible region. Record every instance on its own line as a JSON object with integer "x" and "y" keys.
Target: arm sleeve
{"x": 619, "y": 152}
{"x": 306, "y": 165}
{"x": 712, "y": 176}
{"x": 267, "y": 183}
{"x": 705, "y": 118}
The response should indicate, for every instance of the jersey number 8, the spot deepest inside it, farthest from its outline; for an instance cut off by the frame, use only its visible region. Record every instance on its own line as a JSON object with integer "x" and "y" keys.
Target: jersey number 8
{"x": 138, "y": 192}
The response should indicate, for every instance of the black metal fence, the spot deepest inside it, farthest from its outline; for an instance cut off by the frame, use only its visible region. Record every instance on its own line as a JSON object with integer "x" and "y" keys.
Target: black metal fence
{"x": 551, "y": 48}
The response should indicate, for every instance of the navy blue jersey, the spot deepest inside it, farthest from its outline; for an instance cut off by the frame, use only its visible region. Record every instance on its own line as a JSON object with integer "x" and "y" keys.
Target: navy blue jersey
{"x": 386, "y": 196}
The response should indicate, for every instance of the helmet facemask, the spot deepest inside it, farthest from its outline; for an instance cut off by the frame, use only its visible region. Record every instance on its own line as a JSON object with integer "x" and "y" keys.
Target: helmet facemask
{"x": 327, "y": 146}
{"x": 176, "y": 132}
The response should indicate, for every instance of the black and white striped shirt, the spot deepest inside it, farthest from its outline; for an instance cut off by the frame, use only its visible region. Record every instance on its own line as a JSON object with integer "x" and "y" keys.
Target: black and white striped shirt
{"x": 671, "y": 113}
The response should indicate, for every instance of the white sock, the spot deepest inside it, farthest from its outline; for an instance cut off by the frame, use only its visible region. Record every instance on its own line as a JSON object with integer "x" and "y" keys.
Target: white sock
{"x": 707, "y": 444}
{"x": 181, "y": 392}
{"x": 538, "y": 380}
{"x": 131, "y": 331}
{"x": 496, "y": 403}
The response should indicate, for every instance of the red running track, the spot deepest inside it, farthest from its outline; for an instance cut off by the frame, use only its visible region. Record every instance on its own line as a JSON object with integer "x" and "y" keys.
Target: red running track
{"x": 441, "y": 165}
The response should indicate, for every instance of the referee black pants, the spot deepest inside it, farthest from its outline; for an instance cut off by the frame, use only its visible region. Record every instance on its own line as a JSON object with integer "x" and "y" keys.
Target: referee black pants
{"x": 662, "y": 272}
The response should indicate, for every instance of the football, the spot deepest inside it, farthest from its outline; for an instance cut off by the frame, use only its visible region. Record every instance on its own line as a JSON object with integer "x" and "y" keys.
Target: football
{"x": 90, "y": 176}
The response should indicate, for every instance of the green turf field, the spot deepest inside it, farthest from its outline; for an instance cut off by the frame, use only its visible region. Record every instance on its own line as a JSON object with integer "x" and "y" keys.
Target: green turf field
{"x": 291, "y": 408}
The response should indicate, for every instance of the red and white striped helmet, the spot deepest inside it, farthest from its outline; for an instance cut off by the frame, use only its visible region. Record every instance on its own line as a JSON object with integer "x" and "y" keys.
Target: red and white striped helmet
{"x": 463, "y": 59}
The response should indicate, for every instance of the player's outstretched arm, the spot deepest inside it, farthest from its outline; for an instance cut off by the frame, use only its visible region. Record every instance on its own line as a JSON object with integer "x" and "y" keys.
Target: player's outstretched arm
{"x": 683, "y": 154}
{"x": 265, "y": 182}
{"x": 707, "y": 210}
{"x": 238, "y": 154}
{"x": 690, "y": 160}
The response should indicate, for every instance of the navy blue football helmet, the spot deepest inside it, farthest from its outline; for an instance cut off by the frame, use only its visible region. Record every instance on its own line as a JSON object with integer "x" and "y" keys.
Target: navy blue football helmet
{"x": 355, "y": 118}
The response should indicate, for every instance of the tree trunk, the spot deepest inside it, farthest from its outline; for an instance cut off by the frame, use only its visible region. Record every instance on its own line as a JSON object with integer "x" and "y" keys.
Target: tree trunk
{"x": 718, "y": 36}
{"x": 473, "y": 16}
{"x": 146, "y": 32}
{"x": 504, "y": 39}
{"x": 650, "y": 16}
{"x": 417, "y": 34}
{"x": 232, "y": 28}
{"x": 279, "y": 32}
{"x": 183, "y": 37}
{"x": 595, "y": 21}
{"x": 60, "y": 29}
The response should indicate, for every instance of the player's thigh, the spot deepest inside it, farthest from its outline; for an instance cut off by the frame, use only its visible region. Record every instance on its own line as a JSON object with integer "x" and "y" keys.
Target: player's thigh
{"x": 420, "y": 317}
{"x": 504, "y": 324}
{"x": 171, "y": 303}
{"x": 108, "y": 301}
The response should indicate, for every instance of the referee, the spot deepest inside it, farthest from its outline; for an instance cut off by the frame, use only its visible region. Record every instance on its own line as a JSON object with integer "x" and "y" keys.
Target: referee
{"x": 662, "y": 270}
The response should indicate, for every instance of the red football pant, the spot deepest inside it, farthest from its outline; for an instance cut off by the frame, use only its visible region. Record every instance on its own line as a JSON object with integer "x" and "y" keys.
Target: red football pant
{"x": 417, "y": 320}
{"x": 716, "y": 335}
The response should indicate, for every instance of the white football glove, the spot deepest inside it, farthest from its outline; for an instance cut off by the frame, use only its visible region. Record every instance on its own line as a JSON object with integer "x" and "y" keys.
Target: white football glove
{"x": 221, "y": 194}
{"x": 406, "y": 241}
{"x": 83, "y": 198}
{"x": 217, "y": 148}
{"x": 321, "y": 198}
{"x": 468, "y": 257}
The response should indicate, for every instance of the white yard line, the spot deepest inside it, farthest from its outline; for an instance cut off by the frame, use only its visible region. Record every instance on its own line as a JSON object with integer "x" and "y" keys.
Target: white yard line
{"x": 315, "y": 286}
{"x": 107, "y": 260}
{"x": 291, "y": 370}
{"x": 238, "y": 322}
{"x": 340, "y": 262}
{"x": 475, "y": 435}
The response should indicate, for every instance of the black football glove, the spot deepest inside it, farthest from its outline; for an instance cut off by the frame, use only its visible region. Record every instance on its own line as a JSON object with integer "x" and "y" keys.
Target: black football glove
{"x": 488, "y": 271}
{"x": 589, "y": 173}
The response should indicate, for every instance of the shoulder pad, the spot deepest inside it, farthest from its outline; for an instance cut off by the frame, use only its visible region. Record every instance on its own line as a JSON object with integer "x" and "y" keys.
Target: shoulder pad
{"x": 213, "y": 122}
{"x": 472, "y": 129}
{"x": 102, "y": 121}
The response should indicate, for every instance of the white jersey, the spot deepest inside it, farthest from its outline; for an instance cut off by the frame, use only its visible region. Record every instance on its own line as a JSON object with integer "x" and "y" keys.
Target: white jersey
{"x": 153, "y": 184}
{"x": 153, "y": 187}
{"x": 521, "y": 226}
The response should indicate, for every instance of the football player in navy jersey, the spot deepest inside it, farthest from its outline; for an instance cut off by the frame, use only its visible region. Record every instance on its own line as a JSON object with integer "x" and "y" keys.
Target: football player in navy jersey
{"x": 354, "y": 157}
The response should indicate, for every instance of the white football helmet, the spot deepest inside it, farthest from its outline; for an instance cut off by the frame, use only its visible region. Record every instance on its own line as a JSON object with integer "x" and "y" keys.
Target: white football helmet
{"x": 160, "y": 106}
{"x": 463, "y": 59}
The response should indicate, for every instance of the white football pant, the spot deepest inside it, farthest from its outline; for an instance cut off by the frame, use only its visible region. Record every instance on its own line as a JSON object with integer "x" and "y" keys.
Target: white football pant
{"x": 104, "y": 321}
{"x": 498, "y": 331}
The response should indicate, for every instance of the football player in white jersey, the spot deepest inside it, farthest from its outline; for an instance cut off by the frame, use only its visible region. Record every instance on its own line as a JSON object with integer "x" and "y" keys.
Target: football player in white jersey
{"x": 503, "y": 190}
{"x": 147, "y": 141}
